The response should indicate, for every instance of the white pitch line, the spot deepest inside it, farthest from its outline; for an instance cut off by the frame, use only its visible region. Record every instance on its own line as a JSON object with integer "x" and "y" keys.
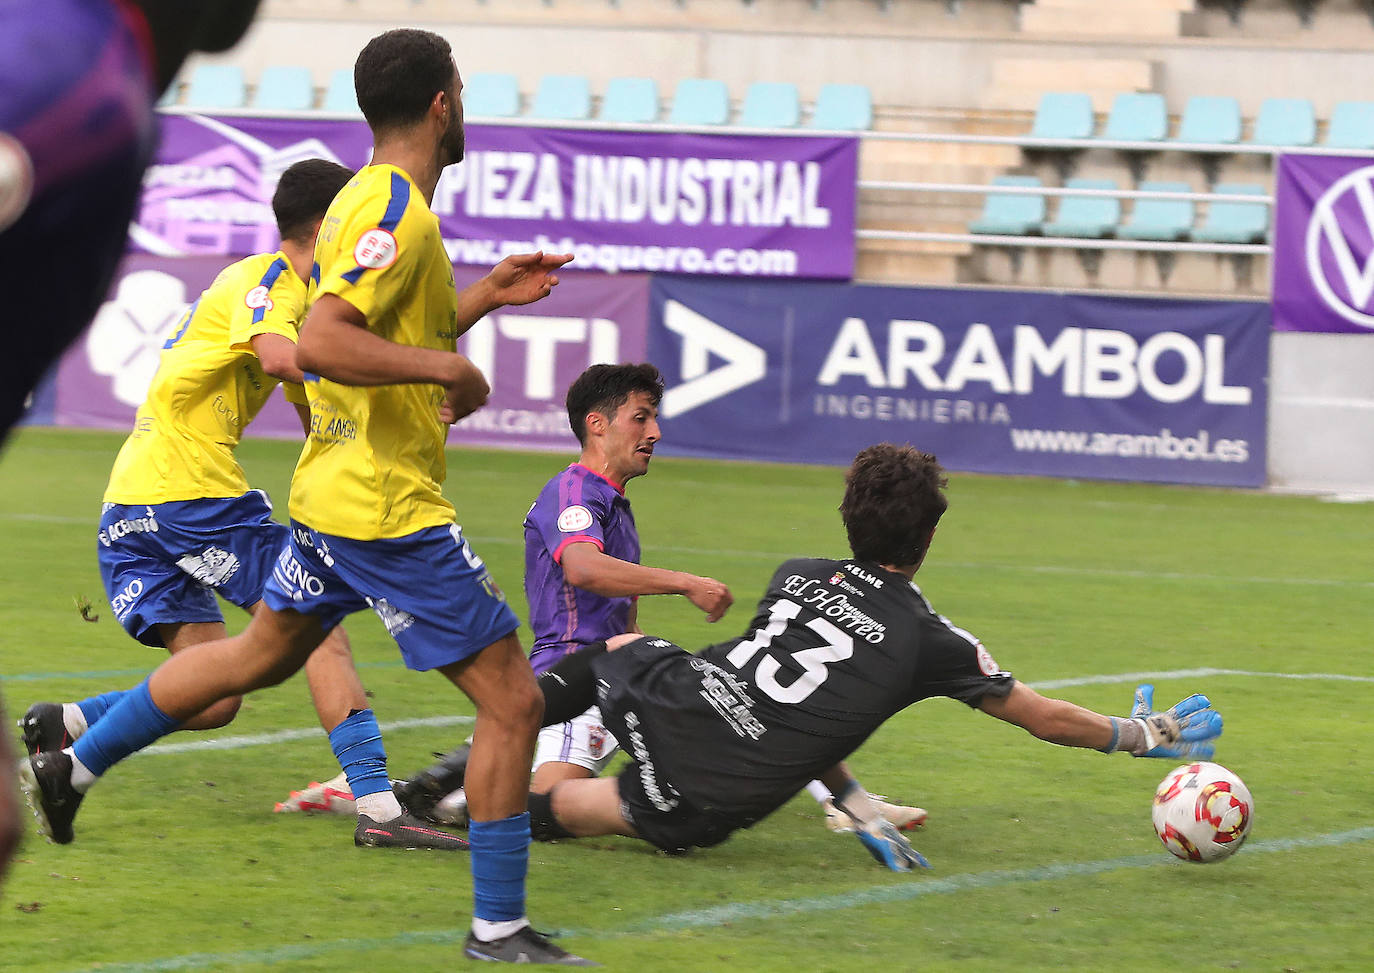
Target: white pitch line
{"x": 285, "y": 736}
{"x": 917, "y": 885}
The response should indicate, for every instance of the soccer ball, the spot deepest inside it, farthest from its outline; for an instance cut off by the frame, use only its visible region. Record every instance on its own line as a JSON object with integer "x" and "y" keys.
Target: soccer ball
{"x": 1202, "y": 812}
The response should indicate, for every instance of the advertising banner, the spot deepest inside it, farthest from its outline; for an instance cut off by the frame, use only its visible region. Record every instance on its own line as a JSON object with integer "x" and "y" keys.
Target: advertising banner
{"x": 723, "y": 205}
{"x": 529, "y": 354}
{"x": 995, "y": 382}
{"x": 1324, "y": 244}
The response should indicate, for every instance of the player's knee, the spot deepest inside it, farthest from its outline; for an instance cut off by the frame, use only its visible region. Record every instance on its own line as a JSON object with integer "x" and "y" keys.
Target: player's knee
{"x": 220, "y": 714}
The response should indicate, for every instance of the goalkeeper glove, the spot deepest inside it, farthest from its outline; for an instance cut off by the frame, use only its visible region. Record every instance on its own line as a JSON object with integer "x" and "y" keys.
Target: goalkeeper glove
{"x": 1185, "y": 731}
{"x": 882, "y": 839}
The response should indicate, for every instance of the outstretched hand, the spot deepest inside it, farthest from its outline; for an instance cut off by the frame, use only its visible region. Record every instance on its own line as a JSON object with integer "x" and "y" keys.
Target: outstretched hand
{"x": 1185, "y": 731}
{"x": 524, "y": 278}
{"x": 711, "y": 596}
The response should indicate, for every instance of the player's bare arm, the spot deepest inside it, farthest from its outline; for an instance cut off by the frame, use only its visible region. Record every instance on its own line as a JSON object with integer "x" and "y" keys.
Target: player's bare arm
{"x": 588, "y": 568}
{"x": 521, "y": 278}
{"x": 1053, "y": 720}
{"x": 277, "y": 355}
{"x": 336, "y": 344}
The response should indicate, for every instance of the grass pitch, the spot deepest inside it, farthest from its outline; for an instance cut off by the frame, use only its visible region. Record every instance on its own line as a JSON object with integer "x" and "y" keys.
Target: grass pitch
{"x": 1044, "y": 857}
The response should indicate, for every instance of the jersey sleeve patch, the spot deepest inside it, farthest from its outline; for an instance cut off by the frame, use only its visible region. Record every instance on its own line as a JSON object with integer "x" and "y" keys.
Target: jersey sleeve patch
{"x": 376, "y": 249}
{"x": 574, "y": 519}
{"x": 258, "y": 297}
{"x": 986, "y": 662}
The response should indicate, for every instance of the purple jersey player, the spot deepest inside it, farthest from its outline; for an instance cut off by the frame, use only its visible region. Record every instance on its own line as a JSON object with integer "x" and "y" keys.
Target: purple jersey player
{"x": 582, "y": 570}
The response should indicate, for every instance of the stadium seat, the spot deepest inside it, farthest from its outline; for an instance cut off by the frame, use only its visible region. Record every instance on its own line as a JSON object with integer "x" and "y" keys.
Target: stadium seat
{"x": 217, "y": 86}
{"x": 1137, "y": 117}
{"x": 700, "y": 101}
{"x": 562, "y": 97}
{"x": 1091, "y": 217}
{"x": 339, "y": 94}
{"x": 1063, "y": 115}
{"x": 1210, "y": 119}
{"x": 1011, "y": 215}
{"x": 285, "y": 87}
{"x": 491, "y": 96}
{"x": 1160, "y": 219}
{"x": 771, "y": 104}
{"x": 843, "y": 108}
{"x": 631, "y": 100}
{"x": 1285, "y": 121}
{"x": 1352, "y": 126}
{"x": 1235, "y": 222}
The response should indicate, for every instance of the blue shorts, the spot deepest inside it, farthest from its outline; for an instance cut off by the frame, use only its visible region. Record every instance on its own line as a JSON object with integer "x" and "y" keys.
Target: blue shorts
{"x": 433, "y": 594}
{"x": 164, "y": 563}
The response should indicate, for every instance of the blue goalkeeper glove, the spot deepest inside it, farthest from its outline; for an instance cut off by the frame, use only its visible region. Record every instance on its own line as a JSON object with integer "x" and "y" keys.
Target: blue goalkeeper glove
{"x": 1185, "y": 731}
{"x": 879, "y": 835}
{"x": 888, "y": 847}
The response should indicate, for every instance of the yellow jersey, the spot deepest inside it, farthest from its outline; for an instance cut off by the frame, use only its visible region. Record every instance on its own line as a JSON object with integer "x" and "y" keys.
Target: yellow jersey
{"x": 373, "y": 465}
{"x": 209, "y": 385}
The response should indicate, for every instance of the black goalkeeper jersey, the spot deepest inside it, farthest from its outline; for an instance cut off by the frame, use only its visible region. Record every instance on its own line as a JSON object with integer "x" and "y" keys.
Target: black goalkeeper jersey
{"x": 834, "y": 649}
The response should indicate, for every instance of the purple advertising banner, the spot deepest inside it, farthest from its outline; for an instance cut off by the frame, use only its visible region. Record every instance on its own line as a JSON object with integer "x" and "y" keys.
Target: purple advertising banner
{"x": 529, "y": 354}
{"x": 995, "y": 382}
{"x": 1324, "y": 244}
{"x": 724, "y": 205}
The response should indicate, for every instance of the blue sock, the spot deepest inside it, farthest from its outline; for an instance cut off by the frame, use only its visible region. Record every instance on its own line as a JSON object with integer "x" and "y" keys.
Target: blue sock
{"x": 94, "y": 708}
{"x": 357, "y": 743}
{"x": 129, "y": 725}
{"x": 500, "y": 858}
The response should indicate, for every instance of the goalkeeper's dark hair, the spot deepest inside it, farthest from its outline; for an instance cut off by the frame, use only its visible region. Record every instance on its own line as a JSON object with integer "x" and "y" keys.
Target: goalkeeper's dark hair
{"x": 304, "y": 193}
{"x": 605, "y": 388}
{"x": 893, "y": 499}
{"x": 398, "y": 73}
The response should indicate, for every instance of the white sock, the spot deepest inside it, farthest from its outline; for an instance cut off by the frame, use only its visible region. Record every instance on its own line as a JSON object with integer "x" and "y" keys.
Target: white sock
{"x": 819, "y": 791}
{"x": 74, "y": 720}
{"x": 82, "y": 778}
{"x": 380, "y": 807}
{"x": 486, "y": 930}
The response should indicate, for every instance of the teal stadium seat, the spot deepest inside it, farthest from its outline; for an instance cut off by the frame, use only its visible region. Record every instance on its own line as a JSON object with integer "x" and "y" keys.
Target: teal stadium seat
{"x": 1352, "y": 126}
{"x": 1063, "y": 115}
{"x": 1137, "y": 117}
{"x": 1211, "y": 119}
{"x": 491, "y": 96}
{"x": 1011, "y": 215}
{"x": 340, "y": 95}
{"x": 1160, "y": 219}
{"x": 563, "y": 98}
{"x": 1235, "y": 222}
{"x": 1285, "y": 122}
{"x": 843, "y": 108}
{"x": 216, "y": 86}
{"x": 700, "y": 101}
{"x": 630, "y": 100}
{"x": 1089, "y": 217}
{"x": 285, "y": 87}
{"x": 771, "y": 104}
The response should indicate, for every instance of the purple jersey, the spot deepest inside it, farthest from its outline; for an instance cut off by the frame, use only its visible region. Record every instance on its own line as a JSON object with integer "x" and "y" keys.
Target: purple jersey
{"x": 577, "y": 505}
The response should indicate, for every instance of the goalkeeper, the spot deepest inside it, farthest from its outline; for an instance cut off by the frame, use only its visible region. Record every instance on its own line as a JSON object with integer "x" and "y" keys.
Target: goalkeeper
{"x": 720, "y": 739}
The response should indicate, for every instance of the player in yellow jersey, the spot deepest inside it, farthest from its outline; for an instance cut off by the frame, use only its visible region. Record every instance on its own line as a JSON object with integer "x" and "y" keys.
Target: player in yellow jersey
{"x": 179, "y": 523}
{"x": 370, "y": 526}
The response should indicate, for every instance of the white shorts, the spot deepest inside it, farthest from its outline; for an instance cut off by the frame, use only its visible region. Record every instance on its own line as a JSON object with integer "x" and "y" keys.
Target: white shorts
{"x": 582, "y": 741}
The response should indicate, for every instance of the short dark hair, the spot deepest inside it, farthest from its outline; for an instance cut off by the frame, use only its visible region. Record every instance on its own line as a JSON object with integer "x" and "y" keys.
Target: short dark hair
{"x": 605, "y": 388}
{"x": 304, "y": 193}
{"x": 398, "y": 74}
{"x": 892, "y": 501}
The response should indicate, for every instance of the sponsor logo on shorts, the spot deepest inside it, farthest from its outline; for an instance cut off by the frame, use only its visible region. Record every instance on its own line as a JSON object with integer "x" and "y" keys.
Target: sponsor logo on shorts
{"x": 294, "y": 579}
{"x": 376, "y": 249}
{"x": 130, "y": 525}
{"x": 648, "y": 774}
{"x": 212, "y": 567}
{"x": 596, "y": 741}
{"x": 128, "y": 596}
{"x": 395, "y": 619}
{"x": 574, "y": 519}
